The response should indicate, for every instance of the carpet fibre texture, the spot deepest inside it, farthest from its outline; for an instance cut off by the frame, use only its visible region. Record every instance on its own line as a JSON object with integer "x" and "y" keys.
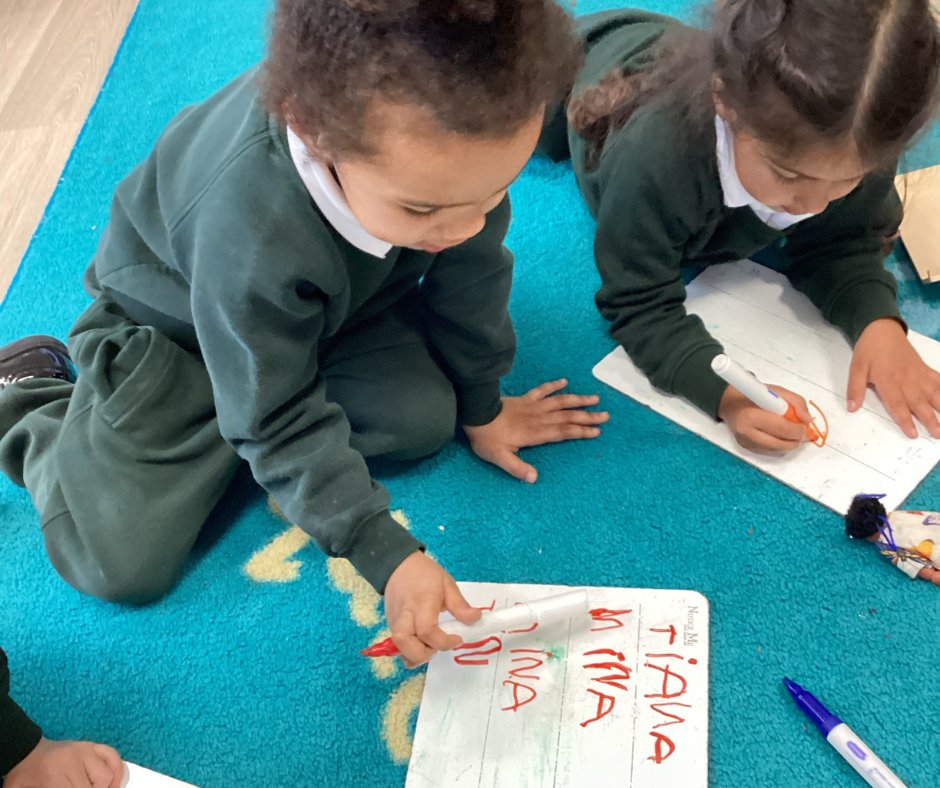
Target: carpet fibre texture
{"x": 248, "y": 674}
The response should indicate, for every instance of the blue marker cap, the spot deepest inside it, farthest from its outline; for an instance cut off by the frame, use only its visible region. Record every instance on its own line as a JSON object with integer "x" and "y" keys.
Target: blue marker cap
{"x": 810, "y": 705}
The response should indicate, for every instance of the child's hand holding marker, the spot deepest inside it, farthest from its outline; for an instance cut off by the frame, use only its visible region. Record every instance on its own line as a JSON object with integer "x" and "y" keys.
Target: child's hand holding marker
{"x": 764, "y": 418}
{"x": 885, "y": 359}
{"x": 416, "y": 593}
{"x": 542, "y": 415}
{"x": 520, "y": 617}
{"x": 760, "y": 430}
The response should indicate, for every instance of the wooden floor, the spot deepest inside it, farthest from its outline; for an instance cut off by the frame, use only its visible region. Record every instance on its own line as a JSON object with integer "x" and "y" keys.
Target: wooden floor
{"x": 54, "y": 55}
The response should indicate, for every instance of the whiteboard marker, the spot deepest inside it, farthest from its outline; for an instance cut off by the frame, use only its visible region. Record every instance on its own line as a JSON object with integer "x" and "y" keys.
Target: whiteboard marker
{"x": 735, "y": 375}
{"x": 520, "y": 616}
{"x": 844, "y": 739}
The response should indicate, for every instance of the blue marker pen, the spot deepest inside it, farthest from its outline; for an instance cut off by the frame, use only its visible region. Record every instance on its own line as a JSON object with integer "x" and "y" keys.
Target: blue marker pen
{"x": 846, "y": 742}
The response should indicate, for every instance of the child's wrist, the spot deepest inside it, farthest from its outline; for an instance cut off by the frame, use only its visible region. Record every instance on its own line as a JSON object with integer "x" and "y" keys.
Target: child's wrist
{"x": 884, "y": 326}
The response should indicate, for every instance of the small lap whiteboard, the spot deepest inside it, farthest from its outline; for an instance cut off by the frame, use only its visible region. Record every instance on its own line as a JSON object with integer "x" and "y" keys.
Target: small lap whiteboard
{"x": 619, "y": 699}
{"x": 139, "y": 777}
{"x": 777, "y": 333}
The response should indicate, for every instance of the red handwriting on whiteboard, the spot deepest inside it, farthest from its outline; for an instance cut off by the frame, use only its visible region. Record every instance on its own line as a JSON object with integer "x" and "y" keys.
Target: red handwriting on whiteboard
{"x": 617, "y": 672}
{"x": 663, "y": 670}
{"x": 615, "y": 678}
{"x": 607, "y": 619}
{"x": 478, "y": 653}
{"x": 663, "y": 701}
{"x": 528, "y": 663}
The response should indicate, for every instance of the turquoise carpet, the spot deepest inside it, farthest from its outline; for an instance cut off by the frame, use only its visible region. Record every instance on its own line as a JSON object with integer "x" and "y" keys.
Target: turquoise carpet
{"x": 247, "y": 674}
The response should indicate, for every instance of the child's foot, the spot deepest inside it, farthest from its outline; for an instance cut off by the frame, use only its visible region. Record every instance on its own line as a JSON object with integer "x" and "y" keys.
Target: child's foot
{"x": 35, "y": 357}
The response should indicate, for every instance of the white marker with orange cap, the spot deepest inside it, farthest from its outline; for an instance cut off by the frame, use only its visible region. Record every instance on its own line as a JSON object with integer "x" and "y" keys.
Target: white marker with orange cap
{"x": 735, "y": 375}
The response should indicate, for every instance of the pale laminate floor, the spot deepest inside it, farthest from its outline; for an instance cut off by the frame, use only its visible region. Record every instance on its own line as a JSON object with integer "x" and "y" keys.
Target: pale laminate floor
{"x": 54, "y": 55}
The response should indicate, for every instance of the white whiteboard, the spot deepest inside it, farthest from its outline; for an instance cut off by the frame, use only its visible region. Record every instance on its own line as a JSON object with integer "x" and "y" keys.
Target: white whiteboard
{"x": 775, "y": 332}
{"x": 620, "y": 699}
{"x": 139, "y": 777}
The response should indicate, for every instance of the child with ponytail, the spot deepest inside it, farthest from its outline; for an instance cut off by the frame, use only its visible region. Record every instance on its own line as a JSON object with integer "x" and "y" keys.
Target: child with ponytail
{"x": 778, "y": 127}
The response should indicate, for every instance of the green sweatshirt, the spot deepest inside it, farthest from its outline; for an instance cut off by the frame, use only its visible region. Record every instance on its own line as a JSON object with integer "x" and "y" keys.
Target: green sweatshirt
{"x": 657, "y": 198}
{"x": 215, "y": 241}
{"x": 19, "y": 735}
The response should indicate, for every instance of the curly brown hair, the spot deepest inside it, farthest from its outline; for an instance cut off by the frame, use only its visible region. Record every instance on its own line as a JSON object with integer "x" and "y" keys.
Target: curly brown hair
{"x": 481, "y": 67}
{"x": 795, "y": 72}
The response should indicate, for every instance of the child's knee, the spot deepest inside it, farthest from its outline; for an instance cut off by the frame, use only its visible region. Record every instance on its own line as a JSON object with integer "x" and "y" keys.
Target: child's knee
{"x": 127, "y": 582}
{"x": 127, "y": 586}
{"x": 430, "y": 431}
{"x": 438, "y": 429}
{"x": 127, "y": 574}
{"x": 424, "y": 428}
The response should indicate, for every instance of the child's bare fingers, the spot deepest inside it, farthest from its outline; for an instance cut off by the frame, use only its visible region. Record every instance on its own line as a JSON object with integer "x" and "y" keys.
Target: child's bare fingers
{"x": 404, "y": 634}
{"x": 426, "y": 616}
{"x": 798, "y": 403}
{"x": 100, "y": 773}
{"x": 569, "y": 401}
{"x": 457, "y": 605}
{"x": 110, "y": 756}
{"x": 546, "y": 389}
{"x": 767, "y": 433}
{"x": 934, "y": 396}
{"x": 765, "y": 443}
{"x": 514, "y": 466}
{"x": 763, "y": 423}
{"x": 931, "y": 390}
{"x": 434, "y": 637}
{"x": 858, "y": 383}
{"x": 924, "y": 411}
{"x": 584, "y": 417}
{"x": 556, "y": 433}
{"x": 897, "y": 407}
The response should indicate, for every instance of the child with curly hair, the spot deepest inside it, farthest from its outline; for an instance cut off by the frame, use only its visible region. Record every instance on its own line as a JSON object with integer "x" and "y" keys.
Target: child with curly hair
{"x": 306, "y": 272}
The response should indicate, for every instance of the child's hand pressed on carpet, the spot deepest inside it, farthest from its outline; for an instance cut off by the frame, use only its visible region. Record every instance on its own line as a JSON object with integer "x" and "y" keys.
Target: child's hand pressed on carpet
{"x": 538, "y": 416}
{"x": 760, "y": 430}
{"x": 416, "y": 593}
{"x": 68, "y": 764}
{"x": 885, "y": 359}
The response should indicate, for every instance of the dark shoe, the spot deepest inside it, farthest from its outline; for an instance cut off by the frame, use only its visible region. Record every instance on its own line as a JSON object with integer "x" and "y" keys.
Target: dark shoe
{"x": 35, "y": 357}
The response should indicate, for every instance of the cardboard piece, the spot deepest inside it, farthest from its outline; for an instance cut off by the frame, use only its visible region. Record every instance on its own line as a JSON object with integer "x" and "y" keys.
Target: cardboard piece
{"x": 920, "y": 228}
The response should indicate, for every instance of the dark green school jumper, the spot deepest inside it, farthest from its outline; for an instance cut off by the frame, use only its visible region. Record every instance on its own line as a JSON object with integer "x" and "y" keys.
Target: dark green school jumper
{"x": 232, "y": 322}
{"x": 19, "y": 735}
{"x": 657, "y": 198}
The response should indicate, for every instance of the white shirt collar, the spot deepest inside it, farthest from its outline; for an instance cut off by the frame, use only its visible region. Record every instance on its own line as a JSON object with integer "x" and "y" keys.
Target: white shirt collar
{"x": 735, "y": 195}
{"x": 330, "y": 200}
